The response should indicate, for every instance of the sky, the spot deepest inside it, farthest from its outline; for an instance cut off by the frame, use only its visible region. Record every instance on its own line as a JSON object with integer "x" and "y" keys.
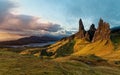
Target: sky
{"x": 21, "y": 18}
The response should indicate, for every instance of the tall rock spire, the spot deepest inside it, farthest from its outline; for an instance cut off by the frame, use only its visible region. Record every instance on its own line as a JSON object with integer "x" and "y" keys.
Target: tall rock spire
{"x": 90, "y": 33}
{"x": 81, "y": 33}
{"x": 102, "y": 32}
{"x": 81, "y": 27}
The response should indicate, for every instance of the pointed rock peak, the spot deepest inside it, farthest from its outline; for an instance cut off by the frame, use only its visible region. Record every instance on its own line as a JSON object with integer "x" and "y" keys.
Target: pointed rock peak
{"x": 81, "y": 26}
{"x": 92, "y": 27}
{"x": 103, "y": 25}
{"x": 102, "y": 32}
{"x": 100, "y": 23}
{"x": 101, "y": 19}
{"x": 90, "y": 34}
{"x": 80, "y": 21}
{"x": 81, "y": 33}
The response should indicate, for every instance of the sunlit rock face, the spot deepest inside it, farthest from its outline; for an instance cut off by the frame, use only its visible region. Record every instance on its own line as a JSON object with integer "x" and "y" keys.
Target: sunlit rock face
{"x": 102, "y": 32}
{"x": 93, "y": 34}
{"x": 81, "y": 33}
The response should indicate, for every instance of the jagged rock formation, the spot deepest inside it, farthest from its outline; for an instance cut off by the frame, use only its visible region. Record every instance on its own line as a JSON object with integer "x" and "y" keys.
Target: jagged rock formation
{"x": 102, "y": 32}
{"x": 80, "y": 43}
{"x": 87, "y": 36}
{"x": 90, "y": 33}
{"x": 81, "y": 33}
{"x": 93, "y": 34}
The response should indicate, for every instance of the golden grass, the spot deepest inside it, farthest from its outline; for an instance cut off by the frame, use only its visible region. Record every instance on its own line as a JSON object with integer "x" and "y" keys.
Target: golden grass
{"x": 30, "y": 51}
{"x": 57, "y": 45}
{"x": 99, "y": 48}
{"x": 80, "y": 44}
{"x": 114, "y": 56}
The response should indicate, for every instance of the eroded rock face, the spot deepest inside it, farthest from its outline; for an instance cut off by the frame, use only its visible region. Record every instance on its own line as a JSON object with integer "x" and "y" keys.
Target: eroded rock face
{"x": 87, "y": 36}
{"x": 93, "y": 34}
{"x": 90, "y": 33}
{"x": 81, "y": 33}
{"x": 102, "y": 32}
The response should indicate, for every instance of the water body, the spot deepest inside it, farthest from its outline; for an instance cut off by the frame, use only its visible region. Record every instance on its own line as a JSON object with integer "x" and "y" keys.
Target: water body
{"x": 33, "y": 45}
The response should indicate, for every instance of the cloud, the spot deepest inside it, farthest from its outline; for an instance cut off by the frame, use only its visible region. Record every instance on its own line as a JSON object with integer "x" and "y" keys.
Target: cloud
{"x": 23, "y": 25}
{"x": 7, "y": 36}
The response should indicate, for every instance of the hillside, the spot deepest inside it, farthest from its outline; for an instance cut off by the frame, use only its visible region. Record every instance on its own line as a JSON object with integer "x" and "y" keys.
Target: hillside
{"x": 12, "y": 63}
{"x": 102, "y": 41}
{"x": 94, "y": 41}
{"x": 31, "y": 39}
{"x": 115, "y": 38}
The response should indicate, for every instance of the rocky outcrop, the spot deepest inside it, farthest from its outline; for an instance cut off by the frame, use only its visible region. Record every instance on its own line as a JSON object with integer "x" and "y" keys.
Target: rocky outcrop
{"x": 93, "y": 34}
{"x": 81, "y": 33}
{"x": 102, "y": 32}
{"x": 87, "y": 36}
{"x": 90, "y": 33}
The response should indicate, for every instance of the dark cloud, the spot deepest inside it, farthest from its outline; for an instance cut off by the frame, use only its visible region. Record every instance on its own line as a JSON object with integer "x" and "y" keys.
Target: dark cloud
{"x": 54, "y": 27}
{"x": 25, "y": 24}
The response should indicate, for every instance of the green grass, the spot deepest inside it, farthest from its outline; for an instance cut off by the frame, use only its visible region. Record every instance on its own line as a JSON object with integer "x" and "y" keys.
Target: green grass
{"x": 66, "y": 49}
{"x": 11, "y": 63}
{"x": 116, "y": 40}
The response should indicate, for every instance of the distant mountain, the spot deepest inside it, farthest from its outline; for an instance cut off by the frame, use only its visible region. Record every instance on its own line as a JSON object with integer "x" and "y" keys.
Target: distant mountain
{"x": 31, "y": 39}
{"x": 115, "y": 29}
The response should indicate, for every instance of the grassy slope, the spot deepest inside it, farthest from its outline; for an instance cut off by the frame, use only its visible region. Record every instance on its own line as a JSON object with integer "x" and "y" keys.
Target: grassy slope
{"x": 116, "y": 40}
{"x": 53, "y": 48}
{"x": 66, "y": 49}
{"x": 36, "y": 51}
{"x": 115, "y": 56}
{"x": 12, "y": 63}
{"x": 99, "y": 48}
{"x": 80, "y": 44}
{"x": 109, "y": 50}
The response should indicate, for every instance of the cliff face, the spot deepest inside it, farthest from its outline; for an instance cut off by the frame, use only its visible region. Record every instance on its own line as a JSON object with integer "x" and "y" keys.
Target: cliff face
{"x": 81, "y": 33}
{"x": 102, "y": 32}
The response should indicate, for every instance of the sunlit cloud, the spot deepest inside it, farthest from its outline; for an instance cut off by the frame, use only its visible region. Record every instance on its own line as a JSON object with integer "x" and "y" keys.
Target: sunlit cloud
{"x": 7, "y": 36}
{"x": 22, "y": 25}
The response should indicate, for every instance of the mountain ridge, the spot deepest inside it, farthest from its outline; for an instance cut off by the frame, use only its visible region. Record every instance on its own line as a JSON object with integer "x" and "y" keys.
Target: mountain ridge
{"x": 31, "y": 39}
